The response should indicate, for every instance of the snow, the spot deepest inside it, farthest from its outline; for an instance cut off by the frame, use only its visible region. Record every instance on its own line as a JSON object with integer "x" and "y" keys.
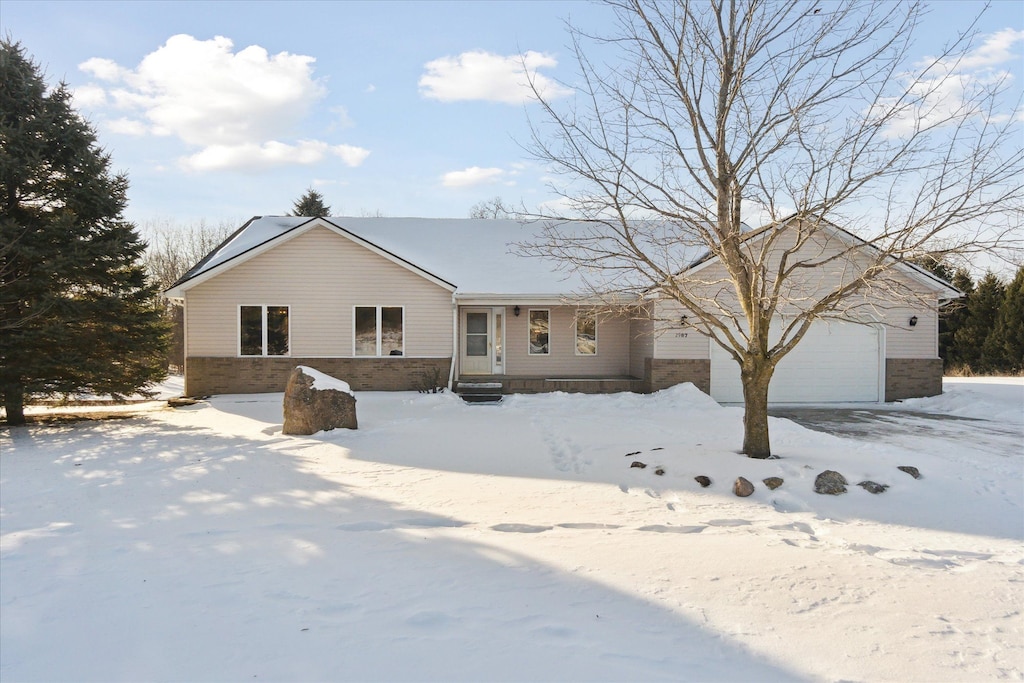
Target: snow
{"x": 447, "y": 541}
{"x": 324, "y": 382}
{"x": 475, "y": 255}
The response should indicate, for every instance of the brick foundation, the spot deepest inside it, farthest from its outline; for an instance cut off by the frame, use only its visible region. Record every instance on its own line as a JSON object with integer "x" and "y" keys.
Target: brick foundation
{"x": 662, "y": 373}
{"x": 208, "y": 375}
{"x": 912, "y": 377}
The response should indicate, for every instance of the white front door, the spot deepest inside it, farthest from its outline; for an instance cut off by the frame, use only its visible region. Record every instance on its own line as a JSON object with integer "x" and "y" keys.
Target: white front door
{"x": 483, "y": 341}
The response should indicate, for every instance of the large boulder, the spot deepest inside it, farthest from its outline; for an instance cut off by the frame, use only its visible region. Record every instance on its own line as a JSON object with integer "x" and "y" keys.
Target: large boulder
{"x": 315, "y": 402}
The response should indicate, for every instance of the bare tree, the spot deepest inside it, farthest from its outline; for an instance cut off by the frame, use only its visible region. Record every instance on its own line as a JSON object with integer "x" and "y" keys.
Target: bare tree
{"x": 172, "y": 250}
{"x": 491, "y": 208}
{"x": 813, "y": 116}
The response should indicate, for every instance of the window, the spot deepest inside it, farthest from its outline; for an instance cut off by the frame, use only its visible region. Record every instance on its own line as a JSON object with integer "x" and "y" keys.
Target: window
{"x": 263, "y": 331}
{"x": 379, "y": 331}
{"x": 539, "y": 328}
{"x": 586, "y": 333}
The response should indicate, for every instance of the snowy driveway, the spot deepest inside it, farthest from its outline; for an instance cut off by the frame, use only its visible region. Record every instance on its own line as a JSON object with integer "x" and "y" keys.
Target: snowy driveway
{"x": 910, "y": 429}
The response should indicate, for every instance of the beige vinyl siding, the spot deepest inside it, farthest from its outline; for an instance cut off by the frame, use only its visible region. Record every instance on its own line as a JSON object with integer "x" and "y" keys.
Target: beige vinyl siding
{"x": 675, "y": 341}
{"x": 876, "y": 305}
{"x": 612, "y": 358}
{"x": 641, "y": 344}
{"x": 320, "y": 276}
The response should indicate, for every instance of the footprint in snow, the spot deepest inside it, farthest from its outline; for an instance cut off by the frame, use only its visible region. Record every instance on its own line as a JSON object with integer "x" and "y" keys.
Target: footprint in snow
{"x": 728, "y": 522}
{"x": 521, "y": 528}
{"x": 662, "y": 529}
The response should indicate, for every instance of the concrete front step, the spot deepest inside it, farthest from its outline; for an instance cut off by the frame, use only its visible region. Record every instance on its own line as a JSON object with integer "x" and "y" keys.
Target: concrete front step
{"x": 479, "y": 392}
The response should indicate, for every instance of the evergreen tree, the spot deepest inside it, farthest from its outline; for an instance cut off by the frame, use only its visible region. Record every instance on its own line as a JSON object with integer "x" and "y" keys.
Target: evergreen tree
{"x": 77, "y": 312}
{"x": 1006, "y": 343}
{"x": 951, "y": 319}
{"x": 311, "y": 204}
{"x": 979, "y": 321}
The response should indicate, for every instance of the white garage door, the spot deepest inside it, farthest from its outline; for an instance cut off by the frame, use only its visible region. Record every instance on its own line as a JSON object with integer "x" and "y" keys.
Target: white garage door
{"x": 834, "y": 362}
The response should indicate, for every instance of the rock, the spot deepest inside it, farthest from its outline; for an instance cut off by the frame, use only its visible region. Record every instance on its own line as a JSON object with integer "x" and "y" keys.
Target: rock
{"x": 702, "y": 480}
{"x": 315, "y": 402}
{"x": 872, "y": 486}
{"x": 773, "y": 482}
{"x": 660, "y": 471}
{"x": 742, "y": 488}
{"x": 630, "y": 455}
{"x": 912, "y": 471}
{"x": 830, "y": 483}
{"x": 637, "y": 463}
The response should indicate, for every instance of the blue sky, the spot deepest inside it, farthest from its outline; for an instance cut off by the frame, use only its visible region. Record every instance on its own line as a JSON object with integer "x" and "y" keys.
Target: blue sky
{"x": 224, "y": 110}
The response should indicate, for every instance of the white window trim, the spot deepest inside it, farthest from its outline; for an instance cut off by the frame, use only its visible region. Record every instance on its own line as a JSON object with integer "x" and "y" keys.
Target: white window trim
{"x": 263, "y": 324}
{"x": 576, "y": 336}
{"x": 529, "y": 346}
{"x": 379, "y": 319}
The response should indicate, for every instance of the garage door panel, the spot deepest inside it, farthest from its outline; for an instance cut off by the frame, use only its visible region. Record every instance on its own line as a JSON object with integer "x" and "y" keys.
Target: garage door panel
{"x": 834, "y": 362}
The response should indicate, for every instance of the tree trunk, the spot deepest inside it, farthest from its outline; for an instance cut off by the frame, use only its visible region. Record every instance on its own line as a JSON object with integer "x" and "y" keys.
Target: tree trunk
{"x": 14, "y": 404}
{"x": 755, "y": 411}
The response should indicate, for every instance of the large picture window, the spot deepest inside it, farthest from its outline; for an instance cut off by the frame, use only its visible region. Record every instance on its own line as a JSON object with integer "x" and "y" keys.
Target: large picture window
{"x": 540, "y": 326}
{"x": 586, "y": 333}
{"x": 263, "y": 331}
{"x": 379, "y": 331}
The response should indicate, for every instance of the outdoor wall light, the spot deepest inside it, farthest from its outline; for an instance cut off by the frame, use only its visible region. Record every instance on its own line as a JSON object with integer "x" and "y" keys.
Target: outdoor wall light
{"x": 913, "y": 321}
{"x": 682, "y": 321}
{"x": 515, "y": 311}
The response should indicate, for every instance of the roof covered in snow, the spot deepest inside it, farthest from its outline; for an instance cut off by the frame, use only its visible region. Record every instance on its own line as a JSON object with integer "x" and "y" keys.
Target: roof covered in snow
{"x": 474, "y": 256}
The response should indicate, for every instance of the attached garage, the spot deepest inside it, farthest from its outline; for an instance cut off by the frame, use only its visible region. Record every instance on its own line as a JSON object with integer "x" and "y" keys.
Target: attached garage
{"x": 834, "y": 363}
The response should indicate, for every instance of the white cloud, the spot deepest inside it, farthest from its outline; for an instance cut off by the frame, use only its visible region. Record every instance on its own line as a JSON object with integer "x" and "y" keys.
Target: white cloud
{"x": 352, "y": 156}
{"x": 342, "y": 120}
{"x": 941, "y": 92}
{"x": 257, "y": 157}
{"x": 995, "y": 50}
{"x": 125, "y": 126}
{"x": 234, "y": 106}
{"x": 479, "y": 75}
{"x": 472, "y": 176}
{"x": 89, "y": 96}
{"x": 103, "y": 69}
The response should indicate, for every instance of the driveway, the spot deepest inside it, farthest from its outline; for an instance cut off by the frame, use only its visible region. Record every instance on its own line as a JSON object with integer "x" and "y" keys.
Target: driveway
{"x": 906, "y": 428}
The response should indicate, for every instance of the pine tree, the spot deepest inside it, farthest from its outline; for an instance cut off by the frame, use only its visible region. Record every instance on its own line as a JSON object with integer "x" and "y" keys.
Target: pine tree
{"x": 311, "y": 204}
{"x": 952, "y": 317}
{"x": 77, "y": 312}
{"x": 1006, "y": 343}
{"x": 979, "y": 322}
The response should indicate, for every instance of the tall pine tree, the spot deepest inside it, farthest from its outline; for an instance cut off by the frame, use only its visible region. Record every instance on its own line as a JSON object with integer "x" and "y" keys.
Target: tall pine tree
{"x": 76, "y": 311}
{"x": 979, "y": 320}
{"x": 952, "y": 318}
{"x": 1006, "y": 342}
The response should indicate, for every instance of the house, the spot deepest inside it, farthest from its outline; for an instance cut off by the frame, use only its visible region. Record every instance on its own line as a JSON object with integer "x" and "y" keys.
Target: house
{"x": 397, "y": 303}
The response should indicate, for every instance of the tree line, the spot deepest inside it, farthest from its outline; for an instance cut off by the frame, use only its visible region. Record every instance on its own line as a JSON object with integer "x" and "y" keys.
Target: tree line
{"x": 982, "y": 333}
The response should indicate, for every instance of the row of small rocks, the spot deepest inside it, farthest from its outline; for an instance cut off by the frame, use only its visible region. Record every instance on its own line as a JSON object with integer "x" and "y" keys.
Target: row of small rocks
{"x": 829, "y": 482}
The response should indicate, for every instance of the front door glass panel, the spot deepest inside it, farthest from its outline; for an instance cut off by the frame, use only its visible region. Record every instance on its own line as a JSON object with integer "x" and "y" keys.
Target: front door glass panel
{"x": 476, "y": 334}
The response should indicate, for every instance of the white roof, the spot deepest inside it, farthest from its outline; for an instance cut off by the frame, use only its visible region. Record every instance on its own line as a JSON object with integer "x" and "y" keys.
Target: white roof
{"x": 474, "y": 255}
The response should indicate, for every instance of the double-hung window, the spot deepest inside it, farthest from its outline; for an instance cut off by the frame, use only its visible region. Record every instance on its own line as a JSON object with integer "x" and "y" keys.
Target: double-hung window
{"x": 540, "y": 328}
{"x": 263, "y": 331}
{"x": 379, "y": 331}
{"x": 586, "y": 333}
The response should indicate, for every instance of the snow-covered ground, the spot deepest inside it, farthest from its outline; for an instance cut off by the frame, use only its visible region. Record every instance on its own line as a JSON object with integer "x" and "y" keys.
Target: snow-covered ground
{"x": 445, "y": 541}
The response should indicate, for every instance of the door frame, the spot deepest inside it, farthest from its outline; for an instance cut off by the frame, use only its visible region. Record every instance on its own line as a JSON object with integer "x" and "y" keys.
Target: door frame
{"x": 496, "y": 346}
